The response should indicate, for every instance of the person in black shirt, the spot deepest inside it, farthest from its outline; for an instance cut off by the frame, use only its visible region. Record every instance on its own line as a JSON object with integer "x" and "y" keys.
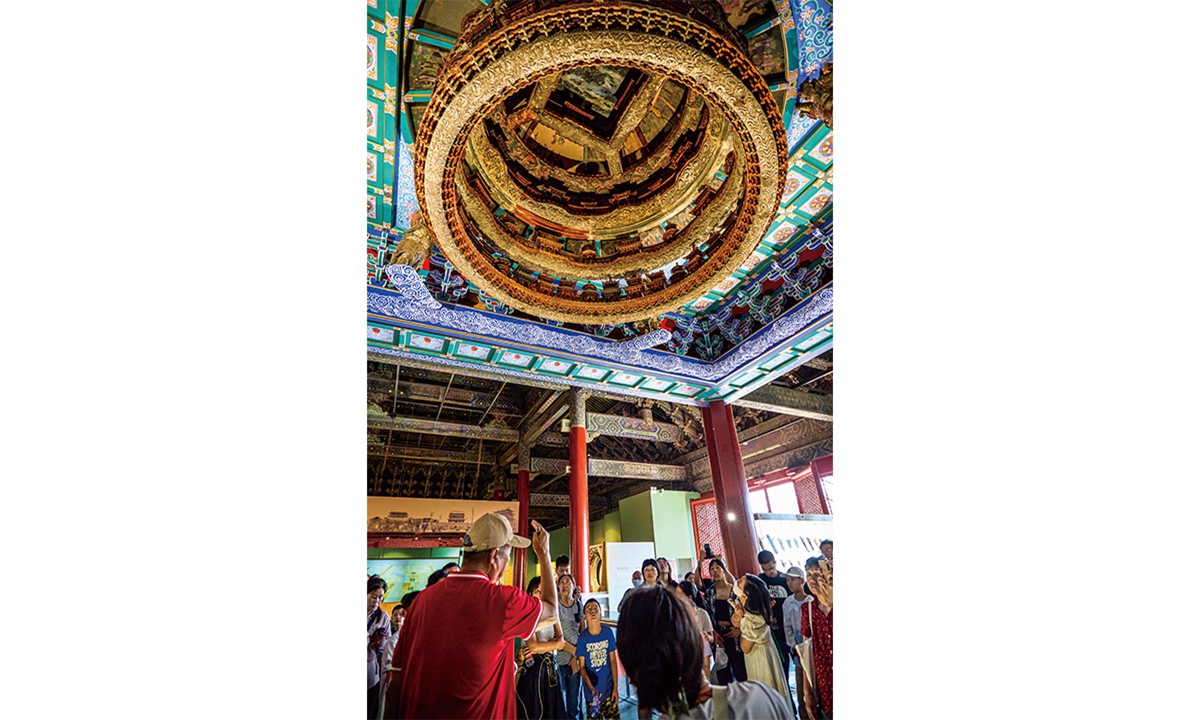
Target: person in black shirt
{"x": 778, "y": 588}
{"x": 721, "y": 598}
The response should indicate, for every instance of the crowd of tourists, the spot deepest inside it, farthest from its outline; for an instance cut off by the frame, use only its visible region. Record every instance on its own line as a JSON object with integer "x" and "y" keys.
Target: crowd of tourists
{"x": 699, "y": 647}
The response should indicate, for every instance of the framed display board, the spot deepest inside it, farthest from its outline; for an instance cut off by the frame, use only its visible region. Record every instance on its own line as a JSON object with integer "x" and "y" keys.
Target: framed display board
{"x": 621, "y": 559}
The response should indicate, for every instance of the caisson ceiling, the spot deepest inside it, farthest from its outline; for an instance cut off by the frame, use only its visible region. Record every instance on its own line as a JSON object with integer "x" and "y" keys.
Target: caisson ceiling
{"x": 631, "y": 196}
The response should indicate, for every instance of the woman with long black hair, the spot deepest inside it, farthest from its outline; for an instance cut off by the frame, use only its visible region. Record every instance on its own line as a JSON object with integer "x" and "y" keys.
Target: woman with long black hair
{"x": 661, "y": 650}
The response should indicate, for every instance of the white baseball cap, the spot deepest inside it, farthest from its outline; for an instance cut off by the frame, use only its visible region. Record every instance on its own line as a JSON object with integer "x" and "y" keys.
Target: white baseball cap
{"x": 491, "y": 531}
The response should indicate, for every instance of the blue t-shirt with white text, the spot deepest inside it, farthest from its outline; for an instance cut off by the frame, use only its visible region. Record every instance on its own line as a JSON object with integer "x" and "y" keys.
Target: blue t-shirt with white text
{"x": 594, "y": 650}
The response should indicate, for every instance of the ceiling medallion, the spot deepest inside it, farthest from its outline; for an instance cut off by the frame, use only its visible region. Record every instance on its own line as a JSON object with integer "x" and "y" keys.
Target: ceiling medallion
{"x": 599, "y": 161}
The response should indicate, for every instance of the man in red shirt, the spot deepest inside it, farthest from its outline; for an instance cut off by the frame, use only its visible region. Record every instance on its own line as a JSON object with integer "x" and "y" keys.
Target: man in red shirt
{"x": 454, "y": 658}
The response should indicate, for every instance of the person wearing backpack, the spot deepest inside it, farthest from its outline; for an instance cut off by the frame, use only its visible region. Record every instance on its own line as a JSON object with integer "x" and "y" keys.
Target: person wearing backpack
{"x": 570, "y": 617}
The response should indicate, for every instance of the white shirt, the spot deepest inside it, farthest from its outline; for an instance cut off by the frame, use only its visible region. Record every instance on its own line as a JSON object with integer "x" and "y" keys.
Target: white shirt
{"x": 748, "y": 700}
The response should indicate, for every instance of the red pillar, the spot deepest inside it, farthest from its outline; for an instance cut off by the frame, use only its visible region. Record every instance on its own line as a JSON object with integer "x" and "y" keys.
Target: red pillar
{"x": 578, "y": 516}
{"x": 730, "y": 489}
{"x": 523, "y": 529}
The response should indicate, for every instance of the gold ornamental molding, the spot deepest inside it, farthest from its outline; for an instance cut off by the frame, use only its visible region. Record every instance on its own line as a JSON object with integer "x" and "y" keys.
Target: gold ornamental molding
{"x": 499, "y": 55}
{"x": 629, "y": 218}
{"x": 489, "y": 156}
{"x": 696, "y": 232}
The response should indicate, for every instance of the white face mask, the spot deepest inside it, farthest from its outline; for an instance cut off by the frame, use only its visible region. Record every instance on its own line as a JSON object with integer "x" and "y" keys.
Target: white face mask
{"x": 737, "y": 590}
{"x": 638, "y": 583}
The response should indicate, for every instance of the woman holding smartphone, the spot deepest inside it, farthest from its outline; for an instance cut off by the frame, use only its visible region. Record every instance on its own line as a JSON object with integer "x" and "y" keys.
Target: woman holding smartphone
{"x": 721, "y": 599}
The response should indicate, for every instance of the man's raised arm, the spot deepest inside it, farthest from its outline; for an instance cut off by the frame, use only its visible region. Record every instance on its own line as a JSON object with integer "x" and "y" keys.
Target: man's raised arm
{"x": 546, "y": 590}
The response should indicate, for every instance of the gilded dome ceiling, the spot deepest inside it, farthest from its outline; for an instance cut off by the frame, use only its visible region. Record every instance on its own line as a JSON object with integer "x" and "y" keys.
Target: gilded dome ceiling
{"x": 599, "y": 162}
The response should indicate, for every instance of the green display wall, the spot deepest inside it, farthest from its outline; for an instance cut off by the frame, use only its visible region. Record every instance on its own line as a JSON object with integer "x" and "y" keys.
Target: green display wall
{"x": 637, "y": 519}
{"x": 673, "y": 534}
{"x": 663, "y": 518}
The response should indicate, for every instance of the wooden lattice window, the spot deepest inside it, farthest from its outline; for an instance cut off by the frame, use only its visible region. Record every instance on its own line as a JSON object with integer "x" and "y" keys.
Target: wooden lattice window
{"x": 808, "y": 494}
{"x": 706, "y": 523}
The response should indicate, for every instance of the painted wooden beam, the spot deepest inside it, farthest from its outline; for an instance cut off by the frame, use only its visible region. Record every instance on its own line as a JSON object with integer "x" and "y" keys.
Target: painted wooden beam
{"x": 469, "y": 458}
{"x": 624, "y": 469}
{"x": 547, "y": 382}
{"x": 610, "y": 468}
{"x": 797, "y": 457}
{"x": 786, "y": 401}
{"x": 544, "y": 404}
{"x": 481, "y": 373}
{"x": 458, "y": 396}
{"x": 542, "y": 423}
{"x": 563, "y": 500}
{"x": 430, "y": 427}
{"x": 793, "y": 457}
{"x": 770, "y": 425}
{"x": 767, "y": 450}
{"x": 551, "y": 438}
{"x": 632, "y": 427}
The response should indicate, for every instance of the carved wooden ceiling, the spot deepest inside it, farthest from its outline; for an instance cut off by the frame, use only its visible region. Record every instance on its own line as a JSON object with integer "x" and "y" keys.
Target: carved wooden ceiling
{"x": 588, "y": 233}
{"x": 814, "y": 377}
{"x": 453, "y": 435}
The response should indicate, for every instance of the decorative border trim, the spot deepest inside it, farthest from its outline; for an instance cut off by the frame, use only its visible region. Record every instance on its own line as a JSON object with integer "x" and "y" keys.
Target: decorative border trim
{"x": 412, "y": 301}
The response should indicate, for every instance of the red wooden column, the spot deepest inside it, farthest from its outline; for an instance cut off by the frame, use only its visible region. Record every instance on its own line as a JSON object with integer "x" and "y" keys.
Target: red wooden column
{"x": 578, "y": 516}
{"x": 730, "y": 490}
{"x": 523, "y": 529}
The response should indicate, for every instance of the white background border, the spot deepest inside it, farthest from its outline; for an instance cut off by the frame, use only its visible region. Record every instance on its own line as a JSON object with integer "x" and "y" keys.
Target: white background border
{"x": 184, "y": 284}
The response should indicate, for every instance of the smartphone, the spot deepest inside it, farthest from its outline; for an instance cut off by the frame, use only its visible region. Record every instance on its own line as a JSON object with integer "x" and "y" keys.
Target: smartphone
{"x": 708, "y": 553}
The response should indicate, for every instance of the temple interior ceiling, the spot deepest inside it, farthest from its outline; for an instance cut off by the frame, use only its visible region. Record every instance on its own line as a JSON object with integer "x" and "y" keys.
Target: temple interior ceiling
{"x": 635, "y": 196}
{"x": 430, "y": 434}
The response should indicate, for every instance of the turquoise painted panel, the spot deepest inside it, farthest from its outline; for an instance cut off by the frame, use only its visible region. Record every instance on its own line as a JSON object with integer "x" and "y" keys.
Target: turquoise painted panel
{"x": 745, "y": 378}
{"x": 625, "y": 379}
{"x": 591, "y": 373}
{"x": 655, "y": 384}
{"x": 776, "y": 361}
{"x": 554, "y": 366}
{"x": 429, "y": 344}
{"x": 384, "y": 336}
{"x": 474, "y": 352}
{"x": 516, "y": 359}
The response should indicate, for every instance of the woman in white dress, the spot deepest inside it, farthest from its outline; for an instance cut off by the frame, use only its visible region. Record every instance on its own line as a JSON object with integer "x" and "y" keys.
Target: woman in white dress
{"x": 752, "y": 617}
{"x": 660, "y": 647}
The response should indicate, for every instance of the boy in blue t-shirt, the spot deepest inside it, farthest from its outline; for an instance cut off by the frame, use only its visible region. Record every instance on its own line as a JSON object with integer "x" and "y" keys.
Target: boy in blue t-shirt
{"x": 597, "y": 653}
